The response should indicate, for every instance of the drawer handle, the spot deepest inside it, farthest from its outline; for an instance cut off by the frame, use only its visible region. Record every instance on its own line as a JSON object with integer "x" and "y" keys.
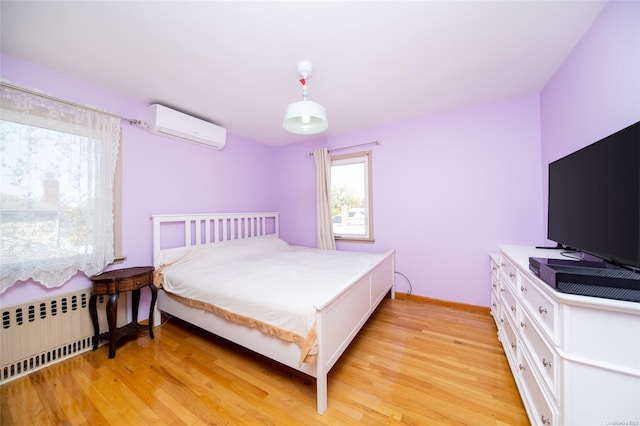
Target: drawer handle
{"x": 542, "y": 310}
{"x": 513, "y": 308}
{"x": 494, "y": 305}
{"x": 523, "y": 324}
{"x": 138, "y": 284}
{"x": 493, "y": 268}
{"x": 503, "y": 264}
{"x": 493, "y": 285}
{"x": 501, "y": 320}
{"x": 502, "y": 289}
{"x": 512, "y": 275}
{"x": 522, "y": 367}
{"x": 545, "y": 421}
{"x": 513, "y": 346}
{"x": 523, "y": 289}
{"x": 546, "y": 363}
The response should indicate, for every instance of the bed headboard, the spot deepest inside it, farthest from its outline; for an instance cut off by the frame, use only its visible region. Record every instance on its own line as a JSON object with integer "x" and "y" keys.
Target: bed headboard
{"x": 176, "y": 234}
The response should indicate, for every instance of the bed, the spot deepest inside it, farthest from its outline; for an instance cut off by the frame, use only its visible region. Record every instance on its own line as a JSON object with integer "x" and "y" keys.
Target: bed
{"x": 330, "y": 318}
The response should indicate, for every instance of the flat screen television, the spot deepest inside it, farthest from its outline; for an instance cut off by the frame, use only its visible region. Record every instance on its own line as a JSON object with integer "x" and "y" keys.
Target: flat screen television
{"x": 594, "y": 198}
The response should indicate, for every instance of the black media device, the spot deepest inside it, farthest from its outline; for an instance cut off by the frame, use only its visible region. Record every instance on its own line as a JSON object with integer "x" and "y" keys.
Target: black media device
{"x": 588, "y": 278}
{"x": 594, "y": 201}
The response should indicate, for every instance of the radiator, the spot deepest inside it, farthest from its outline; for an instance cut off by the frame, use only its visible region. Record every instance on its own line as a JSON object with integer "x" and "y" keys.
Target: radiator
{"x": 42, "y": 332}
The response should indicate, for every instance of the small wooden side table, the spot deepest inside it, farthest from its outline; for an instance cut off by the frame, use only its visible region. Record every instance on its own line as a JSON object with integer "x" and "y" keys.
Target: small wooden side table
{"x": 112, "y": 283}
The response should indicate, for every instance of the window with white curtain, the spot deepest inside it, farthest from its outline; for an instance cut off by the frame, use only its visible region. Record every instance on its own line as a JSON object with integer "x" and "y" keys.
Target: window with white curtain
{"x": 57, "y": 170}
{"x": 351, "y": 200}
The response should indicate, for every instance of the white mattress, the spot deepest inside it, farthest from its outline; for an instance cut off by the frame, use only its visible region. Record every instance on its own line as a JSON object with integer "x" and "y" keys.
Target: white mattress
{"x": 266, "y": 279}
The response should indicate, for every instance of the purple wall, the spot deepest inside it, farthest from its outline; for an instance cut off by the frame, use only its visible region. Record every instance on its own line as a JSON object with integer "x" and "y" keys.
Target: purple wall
{"x": 447, "y": 189}
{"x": 596, "y": 91}
{"x": 160, "y": 175}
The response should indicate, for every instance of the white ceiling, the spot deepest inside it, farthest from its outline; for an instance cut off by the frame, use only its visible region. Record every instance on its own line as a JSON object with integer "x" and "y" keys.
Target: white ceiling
{"x": 234, "y": 62}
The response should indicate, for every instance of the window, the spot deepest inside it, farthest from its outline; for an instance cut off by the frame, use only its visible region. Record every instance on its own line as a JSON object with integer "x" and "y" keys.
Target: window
{"x": 57, "y": 182}
{"x": 351, "y": 201}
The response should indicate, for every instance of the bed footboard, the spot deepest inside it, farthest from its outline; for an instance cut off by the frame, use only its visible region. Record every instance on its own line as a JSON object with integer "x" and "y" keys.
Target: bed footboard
{"x": 340, "y": 320}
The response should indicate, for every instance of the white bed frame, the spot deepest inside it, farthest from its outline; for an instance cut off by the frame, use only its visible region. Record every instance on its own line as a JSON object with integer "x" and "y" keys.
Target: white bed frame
{"x": 337, "y": 322}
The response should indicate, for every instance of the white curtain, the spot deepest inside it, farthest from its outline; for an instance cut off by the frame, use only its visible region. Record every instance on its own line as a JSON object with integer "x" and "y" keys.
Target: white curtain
{"x": 56, "y": 189}
{"x": 324, "y": 227}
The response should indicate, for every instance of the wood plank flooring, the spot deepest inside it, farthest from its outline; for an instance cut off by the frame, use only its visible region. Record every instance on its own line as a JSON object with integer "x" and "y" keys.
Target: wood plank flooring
{"x": 413, "y": 363}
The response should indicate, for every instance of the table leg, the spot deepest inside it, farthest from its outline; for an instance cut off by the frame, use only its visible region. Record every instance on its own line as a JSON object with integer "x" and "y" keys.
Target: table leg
{"x": 135, "y": 304}
{"x": 154, "y": 296}
{"x": 94, "y": 318}
{"x": 112, "y": 312}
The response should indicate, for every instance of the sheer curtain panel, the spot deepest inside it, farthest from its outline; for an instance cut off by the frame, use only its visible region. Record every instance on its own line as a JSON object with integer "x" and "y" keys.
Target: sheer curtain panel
{"x": 57, "y": 170}
{"x": 324, "y": 228}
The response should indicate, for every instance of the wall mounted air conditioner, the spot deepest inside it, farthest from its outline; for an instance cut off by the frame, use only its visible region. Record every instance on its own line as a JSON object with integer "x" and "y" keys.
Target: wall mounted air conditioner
{"x": 166, "y": 121}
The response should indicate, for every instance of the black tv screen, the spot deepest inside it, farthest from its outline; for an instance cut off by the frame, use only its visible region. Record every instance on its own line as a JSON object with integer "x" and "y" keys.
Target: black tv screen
{"x": 594, "y": 198}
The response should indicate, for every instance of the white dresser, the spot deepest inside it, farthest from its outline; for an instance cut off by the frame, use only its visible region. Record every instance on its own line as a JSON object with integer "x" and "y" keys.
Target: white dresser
{"x": 575, "y": 359}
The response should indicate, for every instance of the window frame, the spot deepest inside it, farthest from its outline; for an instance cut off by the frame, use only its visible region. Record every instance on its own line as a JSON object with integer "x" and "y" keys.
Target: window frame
{"x": 118, "y": 254}
{"x": 365, "y": 157}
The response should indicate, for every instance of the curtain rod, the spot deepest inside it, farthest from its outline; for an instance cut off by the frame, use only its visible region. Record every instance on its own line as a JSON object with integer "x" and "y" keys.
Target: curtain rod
{"x": 309, "y": 154}
{"x": 73, "y": 104}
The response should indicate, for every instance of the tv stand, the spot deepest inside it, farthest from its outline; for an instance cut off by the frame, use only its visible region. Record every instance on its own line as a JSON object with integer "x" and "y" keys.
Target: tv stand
{"x": 556, "y": 247}
{"x": 575, "y": 359}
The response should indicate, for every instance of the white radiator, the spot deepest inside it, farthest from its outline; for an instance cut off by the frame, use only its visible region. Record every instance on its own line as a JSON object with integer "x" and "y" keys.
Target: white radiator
{"x": 42, "y": 332}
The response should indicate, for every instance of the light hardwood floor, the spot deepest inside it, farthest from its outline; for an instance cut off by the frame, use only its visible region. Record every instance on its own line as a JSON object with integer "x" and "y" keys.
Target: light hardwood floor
{"x": 413, "y": 363}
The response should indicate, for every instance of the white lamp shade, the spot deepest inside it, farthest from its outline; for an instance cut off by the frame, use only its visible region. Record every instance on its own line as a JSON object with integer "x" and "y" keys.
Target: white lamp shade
{"x": 305, "y": 118}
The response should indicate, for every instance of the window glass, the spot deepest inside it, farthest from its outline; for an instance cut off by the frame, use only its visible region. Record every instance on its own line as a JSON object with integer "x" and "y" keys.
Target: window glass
{"x": 351, "y": 213}
{"x": 45, "y": 192}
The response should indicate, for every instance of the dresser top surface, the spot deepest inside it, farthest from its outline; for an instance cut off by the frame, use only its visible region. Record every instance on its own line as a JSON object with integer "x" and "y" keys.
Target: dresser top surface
{"x": 519, "y": 255}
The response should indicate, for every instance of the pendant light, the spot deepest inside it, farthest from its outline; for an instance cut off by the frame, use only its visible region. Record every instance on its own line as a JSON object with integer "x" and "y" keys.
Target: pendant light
{"x": 305, "y": 117}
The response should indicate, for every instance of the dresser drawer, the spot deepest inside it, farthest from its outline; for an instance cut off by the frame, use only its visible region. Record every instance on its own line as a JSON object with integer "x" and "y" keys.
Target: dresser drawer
{"x": 541, "y": 411}
{"x": 543, "y": 310}
{"x": 543, "y": 357}
{"x": 495, "y": 262}
{"x": 135, "y": 283}
{"x": 509, "y": 273}
{"x": 495, "y": 284}
{"x": 509, "y": 339}
{"x": 495, "y": 305}
{"x": 509, "y": 303}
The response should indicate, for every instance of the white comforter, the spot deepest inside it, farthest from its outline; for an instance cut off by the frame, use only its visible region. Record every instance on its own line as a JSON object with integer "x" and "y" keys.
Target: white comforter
{"x": 266, "y": 279}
